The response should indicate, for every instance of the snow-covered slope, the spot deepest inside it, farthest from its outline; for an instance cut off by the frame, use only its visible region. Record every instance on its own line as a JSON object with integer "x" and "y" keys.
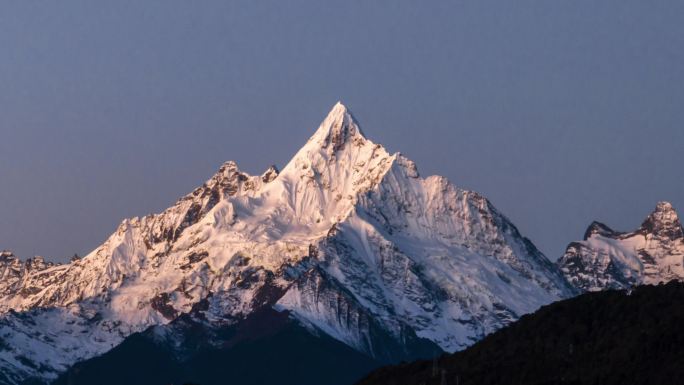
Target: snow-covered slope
{"x": 607, "y": 259}
{"x": 348, "y": 239}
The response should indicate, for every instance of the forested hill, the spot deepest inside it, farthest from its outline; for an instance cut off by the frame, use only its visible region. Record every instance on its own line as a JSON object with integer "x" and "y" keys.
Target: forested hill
{"x": 610, "y": 337}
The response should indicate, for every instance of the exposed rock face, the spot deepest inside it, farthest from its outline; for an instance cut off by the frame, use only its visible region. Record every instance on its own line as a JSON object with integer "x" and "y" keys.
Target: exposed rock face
{"x": 607, "y": 259}
{"x": 663, "y": 223}
{"x": 348, "y": 239}
{"x": 13, "y": 272}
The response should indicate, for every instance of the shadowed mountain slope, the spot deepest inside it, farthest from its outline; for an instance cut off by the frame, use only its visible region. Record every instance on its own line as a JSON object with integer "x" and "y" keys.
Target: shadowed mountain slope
{"x": 609, "y": 337}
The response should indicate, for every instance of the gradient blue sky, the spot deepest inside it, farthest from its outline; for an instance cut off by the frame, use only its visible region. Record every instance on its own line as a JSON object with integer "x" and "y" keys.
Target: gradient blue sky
{"x": 561, "y": 112}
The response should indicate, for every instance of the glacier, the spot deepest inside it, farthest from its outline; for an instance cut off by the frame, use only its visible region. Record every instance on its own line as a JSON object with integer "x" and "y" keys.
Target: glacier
{"x": 348, "y": 239}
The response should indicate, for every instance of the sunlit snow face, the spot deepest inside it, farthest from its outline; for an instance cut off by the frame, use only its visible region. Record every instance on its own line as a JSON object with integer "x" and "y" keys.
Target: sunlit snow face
{"x": 345, "y": 230}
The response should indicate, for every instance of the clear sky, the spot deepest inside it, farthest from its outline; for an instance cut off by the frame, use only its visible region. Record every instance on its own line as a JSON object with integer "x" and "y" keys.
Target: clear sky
{"x": 561, "y": 112}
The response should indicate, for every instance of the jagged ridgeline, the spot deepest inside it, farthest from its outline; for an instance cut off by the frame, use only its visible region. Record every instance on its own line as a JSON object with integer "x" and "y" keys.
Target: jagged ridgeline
{"x": 607, "y": 259}
{"x": 348, "y": 241}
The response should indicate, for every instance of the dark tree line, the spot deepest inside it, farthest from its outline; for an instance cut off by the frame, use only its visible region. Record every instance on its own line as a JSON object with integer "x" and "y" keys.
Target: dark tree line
{"x": 604, "y": 338}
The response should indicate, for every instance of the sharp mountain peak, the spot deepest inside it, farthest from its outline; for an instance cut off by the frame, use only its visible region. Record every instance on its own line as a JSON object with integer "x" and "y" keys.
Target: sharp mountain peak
{"x": 663, "y": 222}
{"x": 338, "y": 128}
{"x": 348, "y": 239}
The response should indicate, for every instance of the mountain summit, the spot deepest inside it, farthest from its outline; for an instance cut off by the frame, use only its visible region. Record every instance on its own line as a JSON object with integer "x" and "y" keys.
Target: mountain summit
{"x": 607, "y": 259}
{"x": 338, "y": 128}
{"x": 348, "y": 241}
{"x": 663, "y": 223}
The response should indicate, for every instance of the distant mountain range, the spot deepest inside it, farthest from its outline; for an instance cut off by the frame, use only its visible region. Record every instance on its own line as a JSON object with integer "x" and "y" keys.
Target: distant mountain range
{"x": 607, "y": 259}
{"x": 347, "y": 252}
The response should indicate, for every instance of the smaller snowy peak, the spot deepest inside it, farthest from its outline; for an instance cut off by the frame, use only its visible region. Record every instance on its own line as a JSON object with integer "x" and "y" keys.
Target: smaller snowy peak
{"x": 14, "y": 272}
{"x": 598, "y": 228}
{"x": 270, "y": 174}
{"x": 408, "y": 165}
{"x": 8, "y": 259}
{"x": 6, "y": 255}
{"x": 229, "y": 166}
{"x": 229, "y": 180}
{"x": 228, "y": 177}
{"x": 607, "y": 259}
{"x": 338, "y": 129}
{"x": 663, "y": 222}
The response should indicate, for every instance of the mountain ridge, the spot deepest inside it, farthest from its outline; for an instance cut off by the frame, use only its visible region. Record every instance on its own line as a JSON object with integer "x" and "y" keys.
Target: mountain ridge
{"x": 348, "y": 239}
{"x": 607, "y": 259}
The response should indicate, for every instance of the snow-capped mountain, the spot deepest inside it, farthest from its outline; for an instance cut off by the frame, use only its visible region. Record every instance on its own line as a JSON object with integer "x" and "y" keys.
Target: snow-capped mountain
{"x": 607, "y": 259}
{"x": 13, "y": 271}
{"x": 348, "y": 239}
